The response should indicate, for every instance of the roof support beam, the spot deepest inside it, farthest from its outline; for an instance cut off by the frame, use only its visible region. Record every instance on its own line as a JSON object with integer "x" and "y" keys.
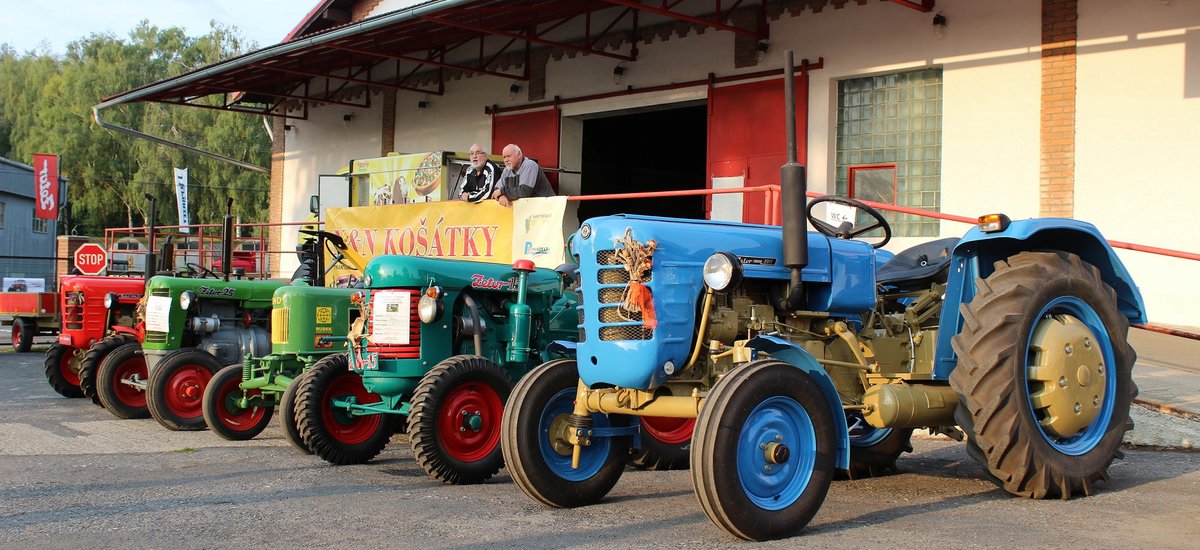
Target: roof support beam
{"x": 347, "y": 79}
{"x": 684, "y": 17}
{"x": 526, "y": 38}
{"x": 467, "y": 68}
{"x": 922, "y": 6}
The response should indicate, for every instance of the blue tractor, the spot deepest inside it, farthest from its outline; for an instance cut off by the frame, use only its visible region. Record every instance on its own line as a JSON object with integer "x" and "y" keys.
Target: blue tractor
{"x": 801, "y": 354}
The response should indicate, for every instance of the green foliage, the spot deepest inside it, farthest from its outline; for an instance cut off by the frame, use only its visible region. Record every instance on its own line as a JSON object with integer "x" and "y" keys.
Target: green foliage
{"x": 46, "y": 107}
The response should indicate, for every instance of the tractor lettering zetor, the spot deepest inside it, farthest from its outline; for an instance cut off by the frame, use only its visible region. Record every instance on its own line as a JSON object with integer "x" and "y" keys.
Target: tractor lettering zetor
{"x": 799, "y": 354}
{"x": 308, "y": 323}
{"x": 97, "y": 316}
{"x": 439, "y": 341}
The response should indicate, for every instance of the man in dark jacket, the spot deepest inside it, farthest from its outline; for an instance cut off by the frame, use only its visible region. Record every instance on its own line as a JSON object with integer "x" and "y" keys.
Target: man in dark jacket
{"x": 481, "y": 177}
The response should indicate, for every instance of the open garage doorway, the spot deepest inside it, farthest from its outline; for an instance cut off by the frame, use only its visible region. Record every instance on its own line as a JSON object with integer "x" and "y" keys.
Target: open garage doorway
{"x": 656, "y": 150}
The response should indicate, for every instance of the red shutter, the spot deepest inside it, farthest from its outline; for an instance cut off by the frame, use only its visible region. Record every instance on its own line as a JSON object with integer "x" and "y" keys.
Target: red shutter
{"x": 747, "y": 136}
{"x": 535, "y": 133}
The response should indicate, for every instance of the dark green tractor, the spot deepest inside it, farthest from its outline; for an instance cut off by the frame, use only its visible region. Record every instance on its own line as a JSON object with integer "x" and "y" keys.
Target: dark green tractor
{"x": 440, "y": 342}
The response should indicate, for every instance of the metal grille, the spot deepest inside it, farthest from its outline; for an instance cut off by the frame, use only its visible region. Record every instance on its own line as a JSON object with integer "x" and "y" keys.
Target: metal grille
{"x": 607, "y": 257}
{"x": 579, "y": 314}
{"x": 279, "y": 325}
{"x": 156, "y": 337}
{"x": 160, "y": 292}
{"x": 412, "y": 350}
{"x": 611, "y": 295}
{"x": 582, "y": 335}
{"x": 625, "y": 333}
{"x": 618, "y": 315}
{"x": 612, "y": 276}
{"x": 72, "y": 314}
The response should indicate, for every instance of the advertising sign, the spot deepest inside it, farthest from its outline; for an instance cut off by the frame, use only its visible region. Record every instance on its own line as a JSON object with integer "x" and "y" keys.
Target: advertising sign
{"x": 401, "y": 179}
{"x": 45, "y": 180}
{"x": 24, "y": 284}
{"x": 181, "y": 198}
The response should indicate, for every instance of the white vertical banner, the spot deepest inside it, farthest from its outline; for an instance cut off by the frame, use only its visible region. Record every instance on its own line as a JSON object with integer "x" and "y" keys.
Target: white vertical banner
{"x": 537, "y": 230}
{"x": 181, "y": 197}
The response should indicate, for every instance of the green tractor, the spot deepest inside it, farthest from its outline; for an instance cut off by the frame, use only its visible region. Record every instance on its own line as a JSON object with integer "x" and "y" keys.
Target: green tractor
{"x": 439, "y": 342}
{"x": 308, "y": 323}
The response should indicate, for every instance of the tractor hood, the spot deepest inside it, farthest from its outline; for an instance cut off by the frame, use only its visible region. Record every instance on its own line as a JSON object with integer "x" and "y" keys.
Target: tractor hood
{"x": 419, "y": 272}
{"x": 246, "y": 291}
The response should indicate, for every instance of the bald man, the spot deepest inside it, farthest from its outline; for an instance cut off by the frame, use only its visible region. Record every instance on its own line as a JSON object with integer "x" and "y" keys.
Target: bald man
{"x": 522, "y": 178}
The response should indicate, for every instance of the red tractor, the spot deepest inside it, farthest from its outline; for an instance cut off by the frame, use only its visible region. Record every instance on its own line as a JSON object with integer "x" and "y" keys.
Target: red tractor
{"x": 98, "y": 316}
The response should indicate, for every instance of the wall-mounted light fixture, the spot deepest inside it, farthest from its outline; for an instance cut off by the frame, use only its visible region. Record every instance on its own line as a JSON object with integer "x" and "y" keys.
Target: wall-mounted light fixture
{"x": 939, "y": 25}
{"x": 346, "y": 118}
{"x": 423, "y": 104}
{"x": 761, "y": 50}
{"x": 618, "y": 73}
{"x": 288, "y": 127}
{"x": 513, "y": 91}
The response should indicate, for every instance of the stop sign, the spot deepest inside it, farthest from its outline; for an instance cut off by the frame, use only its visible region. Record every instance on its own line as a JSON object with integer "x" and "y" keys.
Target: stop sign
{"x": 91, "y": 259}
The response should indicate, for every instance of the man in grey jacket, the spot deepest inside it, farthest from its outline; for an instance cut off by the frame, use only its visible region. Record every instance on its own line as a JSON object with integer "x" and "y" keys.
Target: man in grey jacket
{"x": 521, "y": 178}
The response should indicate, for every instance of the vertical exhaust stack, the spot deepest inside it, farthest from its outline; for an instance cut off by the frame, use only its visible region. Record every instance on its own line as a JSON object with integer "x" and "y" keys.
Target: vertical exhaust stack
{"x": 227, "y": 239}
{"x": 151, "y": 258}
{"x": 794, "y": 189}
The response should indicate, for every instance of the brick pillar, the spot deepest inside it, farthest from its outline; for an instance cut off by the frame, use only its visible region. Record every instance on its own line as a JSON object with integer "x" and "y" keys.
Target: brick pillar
{"x": 65, "y": 251}
{"x": 275, "y": 206}
{"x": 387, "y": 141}
{"x": 1059, "y": 32}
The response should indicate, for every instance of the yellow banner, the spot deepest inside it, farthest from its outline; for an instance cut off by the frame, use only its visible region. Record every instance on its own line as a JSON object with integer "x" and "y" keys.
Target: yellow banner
{"x": 479, "y": 232}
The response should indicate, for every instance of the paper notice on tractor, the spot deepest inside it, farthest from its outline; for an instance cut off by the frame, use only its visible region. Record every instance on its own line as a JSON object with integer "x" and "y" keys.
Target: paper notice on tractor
{"x": 538, "y": 230}
{"x": 391, "y": 317}
{"x": 158, "y": 313}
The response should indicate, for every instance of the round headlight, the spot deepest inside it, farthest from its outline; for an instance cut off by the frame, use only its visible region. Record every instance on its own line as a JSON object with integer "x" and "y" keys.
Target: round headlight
{"x": 722, "y": 271}
{"x": 110, "y": 300}
{"x": 367, "y": 280}
{"x": 187, "y": 299}
{"x": 429, "y": 307}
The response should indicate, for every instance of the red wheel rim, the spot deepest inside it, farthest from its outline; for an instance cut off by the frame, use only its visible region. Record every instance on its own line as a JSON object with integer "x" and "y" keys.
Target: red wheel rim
{"x": 64, "y": 367}
{"x": 185, "y": 390}
{"x": 469, "y": 421}
{"x": 232, "y": 416}
{"x": 130, "y": 396}
{"x": 346, "y": 428}
{"x": 672, "y": 431}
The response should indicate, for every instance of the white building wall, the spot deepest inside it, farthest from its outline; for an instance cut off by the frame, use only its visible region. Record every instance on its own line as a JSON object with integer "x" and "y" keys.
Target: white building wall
{"x": 1137, "y": 140}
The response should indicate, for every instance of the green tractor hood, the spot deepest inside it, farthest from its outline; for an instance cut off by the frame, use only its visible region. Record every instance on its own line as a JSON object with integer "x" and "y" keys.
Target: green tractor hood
{"x": 419, "y": 272}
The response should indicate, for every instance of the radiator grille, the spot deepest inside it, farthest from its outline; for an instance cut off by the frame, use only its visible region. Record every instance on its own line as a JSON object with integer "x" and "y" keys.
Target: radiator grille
{"x": 279, "y": 325}
{"x": 625, "y": 333}
{"x": 411, "y": 350}
{"x": 611, "y": 295}
{"x": 618, "y": 315}
{"x": 156, "y": 337}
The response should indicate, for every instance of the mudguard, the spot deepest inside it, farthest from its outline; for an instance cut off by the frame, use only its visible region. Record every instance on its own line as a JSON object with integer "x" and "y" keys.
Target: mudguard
{"x": 786, "y": 351}
{"x": 977, "y": 252}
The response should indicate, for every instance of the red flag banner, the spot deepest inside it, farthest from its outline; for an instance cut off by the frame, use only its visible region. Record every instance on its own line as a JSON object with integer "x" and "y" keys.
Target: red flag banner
{"x": 45, "y": 179}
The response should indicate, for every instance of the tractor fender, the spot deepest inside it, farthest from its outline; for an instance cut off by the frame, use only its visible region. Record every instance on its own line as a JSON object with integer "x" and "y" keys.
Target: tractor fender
{"x": 120, "y": 329}
{"x": 977, "y": 252}
{"x": 795, "y": 355}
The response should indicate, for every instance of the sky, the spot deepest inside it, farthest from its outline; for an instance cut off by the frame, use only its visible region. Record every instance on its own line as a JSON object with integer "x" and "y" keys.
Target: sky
{"x": 28, "y": 24}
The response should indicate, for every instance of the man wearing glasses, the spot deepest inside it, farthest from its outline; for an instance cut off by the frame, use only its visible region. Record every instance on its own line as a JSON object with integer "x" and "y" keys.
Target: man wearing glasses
{"x": 481, "y": 176}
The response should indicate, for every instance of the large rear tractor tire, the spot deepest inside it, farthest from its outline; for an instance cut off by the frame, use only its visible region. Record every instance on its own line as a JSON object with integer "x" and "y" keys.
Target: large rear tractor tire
{"x": 119, "y": 382}
{"x": 763, "y": 455}
{"x": 222, "y": 411}
{"x": 455, "y": 419}
{"x": 666, "y": 443}
{"x": 536, "y": 420}
{"x": 22, "y": 334}
{"x": 62, "y": 366}
{"x": 1044, "y": 375}
{"x": 334, "y": 433}
{"x": 176, "y": 390}
{"x": 89, "y": 364}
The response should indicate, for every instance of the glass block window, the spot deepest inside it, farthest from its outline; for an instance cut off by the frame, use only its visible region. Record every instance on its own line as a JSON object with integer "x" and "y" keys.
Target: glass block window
{"x": 893, "y": 120}
{"x": 40, "y": 225}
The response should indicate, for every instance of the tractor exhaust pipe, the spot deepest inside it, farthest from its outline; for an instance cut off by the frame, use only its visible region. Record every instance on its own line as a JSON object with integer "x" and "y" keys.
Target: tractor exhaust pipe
{"x": 151, "y": 257}
{"x": 227, "y": 239}
{"x": 794, "y": 189}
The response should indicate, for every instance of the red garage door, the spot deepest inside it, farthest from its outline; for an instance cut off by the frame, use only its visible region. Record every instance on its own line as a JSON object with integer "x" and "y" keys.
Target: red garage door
{"x": 747, "y": 136}
{"x": 536, "y": 133}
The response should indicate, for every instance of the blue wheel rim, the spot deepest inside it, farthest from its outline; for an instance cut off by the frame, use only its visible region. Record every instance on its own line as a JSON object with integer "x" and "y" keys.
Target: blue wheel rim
{"x": 1087, "y": 439}
{"x": 593, "y": 456}
{"x": 863, "y": 434}
{"x": 776, "y": 420}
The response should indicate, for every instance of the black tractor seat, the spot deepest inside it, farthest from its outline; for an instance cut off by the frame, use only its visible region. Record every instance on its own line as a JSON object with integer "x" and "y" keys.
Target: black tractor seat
{"x": 918, "y": 266}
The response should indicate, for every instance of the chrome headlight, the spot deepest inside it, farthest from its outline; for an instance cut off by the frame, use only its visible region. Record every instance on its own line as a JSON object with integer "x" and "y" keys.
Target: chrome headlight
{"x": 722, "y": 271}
{"x": 110, "y": 300}
{"x": 367, "y": 280}
{"x": 429, "y": 307}
{"x": 187, "y": 299}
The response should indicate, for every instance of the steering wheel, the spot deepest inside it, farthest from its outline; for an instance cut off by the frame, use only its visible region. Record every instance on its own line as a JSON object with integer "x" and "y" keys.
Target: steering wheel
{"x": 853, "y": 231}
{"x": 204, "y": 271}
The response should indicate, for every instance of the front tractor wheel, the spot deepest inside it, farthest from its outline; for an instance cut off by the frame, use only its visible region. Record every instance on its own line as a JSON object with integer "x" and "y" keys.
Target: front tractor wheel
{"x": 763, "y": 455}
{"x": 176, "y": 389}
{"x": 62, "y": 370}
{"x": 534, "y": 439}
{"x": 287, "y": 412}
{"x": 1044, "y": 375}
{"x": 89, "y": 364}
{"x": 120, "y": 382}
{"x": 455, "y": 419}
{"x": 225, "y": 414}
{"x": 335, "y": 433}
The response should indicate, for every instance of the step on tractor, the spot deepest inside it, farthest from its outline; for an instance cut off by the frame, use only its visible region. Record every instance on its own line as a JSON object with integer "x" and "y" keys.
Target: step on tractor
{"x": 800, "y": 354}
{"x": 308, "y": 322}
{"x": 438, "y": 346}
{"x": 97, "y": 317}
